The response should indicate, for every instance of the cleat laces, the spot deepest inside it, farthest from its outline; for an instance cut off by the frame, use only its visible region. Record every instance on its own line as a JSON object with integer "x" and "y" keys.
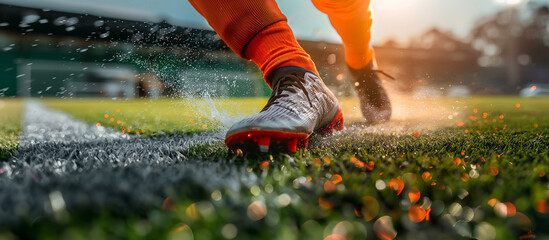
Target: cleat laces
{"x": 382, "y": 72}
{"x": 288, "y": 85}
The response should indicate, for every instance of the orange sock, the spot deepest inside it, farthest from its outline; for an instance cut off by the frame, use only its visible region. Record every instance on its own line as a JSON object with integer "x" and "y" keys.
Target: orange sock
{"x": 274, "y": 47}
{"x": 238, "y": 21}
{"x": 255, "y": 30}
{"x": 352, "y": 19}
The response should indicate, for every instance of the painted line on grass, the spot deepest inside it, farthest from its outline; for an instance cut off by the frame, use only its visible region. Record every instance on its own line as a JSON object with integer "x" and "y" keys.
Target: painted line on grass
{"x": 94, "y": 167}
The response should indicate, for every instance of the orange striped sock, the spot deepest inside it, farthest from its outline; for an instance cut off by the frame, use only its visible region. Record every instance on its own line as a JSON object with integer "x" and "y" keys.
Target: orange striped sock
{"x": 274, "y": 47}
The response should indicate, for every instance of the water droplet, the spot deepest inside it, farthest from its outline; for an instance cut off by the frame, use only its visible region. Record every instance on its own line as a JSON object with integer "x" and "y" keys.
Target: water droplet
{"x": 104, "y": 35}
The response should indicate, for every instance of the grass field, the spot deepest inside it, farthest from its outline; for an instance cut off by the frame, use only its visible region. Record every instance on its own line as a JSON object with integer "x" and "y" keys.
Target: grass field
{"x": 164, "y": 116}
{"x": 10, "y": 125}
{"x": 168, "y": 116}
{"x": 443, "y": 168}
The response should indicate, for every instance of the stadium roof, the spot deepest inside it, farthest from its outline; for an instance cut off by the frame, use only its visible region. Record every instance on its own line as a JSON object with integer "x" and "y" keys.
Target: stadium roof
{"x": 95, "y": 22}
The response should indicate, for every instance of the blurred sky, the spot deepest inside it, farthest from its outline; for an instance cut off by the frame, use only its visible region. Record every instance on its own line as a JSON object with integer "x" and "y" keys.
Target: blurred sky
{"x": 396, "y": 19}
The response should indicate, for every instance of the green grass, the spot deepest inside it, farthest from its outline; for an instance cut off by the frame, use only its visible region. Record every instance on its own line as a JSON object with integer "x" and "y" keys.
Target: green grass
{"x": 10, "y": 125}
{"x": 475, "y": 175}
{"x": 163, "y": 116}
{"x": 168, "y": 116}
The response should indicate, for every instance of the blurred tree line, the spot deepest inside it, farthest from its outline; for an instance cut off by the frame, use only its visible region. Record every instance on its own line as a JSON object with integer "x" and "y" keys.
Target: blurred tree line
{"x": 517, "y": 39}
{"x": 503, "y": 53}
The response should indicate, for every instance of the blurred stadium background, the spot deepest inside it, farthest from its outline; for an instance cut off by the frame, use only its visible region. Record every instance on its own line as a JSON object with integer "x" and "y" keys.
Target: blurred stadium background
{"x": 81, "y": 49}
{"x": 72, "y": 165}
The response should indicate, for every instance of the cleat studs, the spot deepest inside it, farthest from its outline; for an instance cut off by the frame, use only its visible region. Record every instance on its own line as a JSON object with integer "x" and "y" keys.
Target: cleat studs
{"x": 263, "y": 149}
{"x": 264, "y": 144}
{"x": 264, "y": 141}
{"x": 237, "y": 151}
{"x": 292, "y": 145}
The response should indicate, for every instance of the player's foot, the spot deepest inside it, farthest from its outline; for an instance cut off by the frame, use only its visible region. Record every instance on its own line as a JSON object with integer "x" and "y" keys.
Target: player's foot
{"x": 374, "y": 102}
{"x": 299, "y": 105}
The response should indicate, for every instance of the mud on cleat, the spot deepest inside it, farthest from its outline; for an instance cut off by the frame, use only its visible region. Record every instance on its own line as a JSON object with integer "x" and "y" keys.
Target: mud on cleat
{"x": 299, "y": 105}
{"x": 374, "y": 102}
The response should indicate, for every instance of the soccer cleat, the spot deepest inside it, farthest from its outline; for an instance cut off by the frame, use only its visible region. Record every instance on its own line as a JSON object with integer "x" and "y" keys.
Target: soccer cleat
{"x": 374, "y": 102}
{"x": 299, "y": 105}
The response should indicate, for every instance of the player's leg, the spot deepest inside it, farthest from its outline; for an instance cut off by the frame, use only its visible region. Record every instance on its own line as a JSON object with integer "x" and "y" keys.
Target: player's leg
{"x": 300, "y": 103}
{"x": 238, "y": 22}
{"x": 352, "y": 19}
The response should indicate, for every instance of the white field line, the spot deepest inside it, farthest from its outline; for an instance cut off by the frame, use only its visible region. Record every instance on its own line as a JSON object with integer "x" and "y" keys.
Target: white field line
{"x": 87, "y": 166}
